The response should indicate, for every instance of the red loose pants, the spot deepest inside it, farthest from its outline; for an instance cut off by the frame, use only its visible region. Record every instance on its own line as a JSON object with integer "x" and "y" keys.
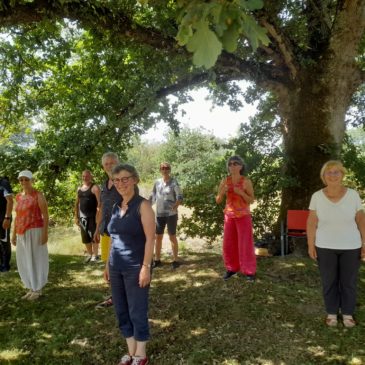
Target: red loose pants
{"x": 238, "y": 245}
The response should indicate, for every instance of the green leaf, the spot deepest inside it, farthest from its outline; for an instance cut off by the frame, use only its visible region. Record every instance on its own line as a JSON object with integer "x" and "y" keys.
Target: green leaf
{"x": 205, "y": 45}
{"x": 254, "y": 32}
{"x": 230, "y": 38}
{"x": 184, "y": 34}
{"x": 252, "y": 4}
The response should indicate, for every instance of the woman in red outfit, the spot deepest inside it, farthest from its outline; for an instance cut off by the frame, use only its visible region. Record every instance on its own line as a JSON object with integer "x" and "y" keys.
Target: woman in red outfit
{"x": 238, "y": 245}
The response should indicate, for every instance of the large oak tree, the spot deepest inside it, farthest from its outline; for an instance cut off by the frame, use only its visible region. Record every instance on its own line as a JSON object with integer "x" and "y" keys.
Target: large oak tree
{"x": 313, "y": 64}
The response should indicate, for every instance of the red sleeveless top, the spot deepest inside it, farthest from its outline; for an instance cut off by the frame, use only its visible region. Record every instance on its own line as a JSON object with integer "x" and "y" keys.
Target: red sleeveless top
{"x": 236, "y": 206}
{"x": 28, "y": 213}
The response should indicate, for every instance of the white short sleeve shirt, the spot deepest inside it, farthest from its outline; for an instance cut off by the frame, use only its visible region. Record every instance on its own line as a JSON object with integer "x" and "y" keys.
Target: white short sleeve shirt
{"x": 337, "y": 228}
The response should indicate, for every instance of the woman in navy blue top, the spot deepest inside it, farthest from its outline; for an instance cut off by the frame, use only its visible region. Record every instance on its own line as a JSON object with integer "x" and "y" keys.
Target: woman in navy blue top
{"x": 132, "y": 231}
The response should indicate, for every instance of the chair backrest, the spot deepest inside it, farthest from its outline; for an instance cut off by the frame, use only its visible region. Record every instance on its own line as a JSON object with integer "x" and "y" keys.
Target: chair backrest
{"x": 297, "y": 220}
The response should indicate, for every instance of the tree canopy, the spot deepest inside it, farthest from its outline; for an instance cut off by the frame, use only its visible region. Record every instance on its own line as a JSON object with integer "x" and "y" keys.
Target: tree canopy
{"x": 81, "y": 77}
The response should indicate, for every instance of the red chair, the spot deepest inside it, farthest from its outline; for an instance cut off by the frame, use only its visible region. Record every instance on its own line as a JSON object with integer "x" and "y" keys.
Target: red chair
{"x": 296, "y": 226}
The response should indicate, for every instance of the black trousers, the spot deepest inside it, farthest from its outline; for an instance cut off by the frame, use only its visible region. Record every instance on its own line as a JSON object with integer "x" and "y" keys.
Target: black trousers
{"x": 339, "y": 272}
{"x": 5, "y": 249}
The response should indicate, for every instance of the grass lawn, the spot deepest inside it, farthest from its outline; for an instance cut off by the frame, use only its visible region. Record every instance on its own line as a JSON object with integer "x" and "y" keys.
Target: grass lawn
{"x": 196, "y": 317}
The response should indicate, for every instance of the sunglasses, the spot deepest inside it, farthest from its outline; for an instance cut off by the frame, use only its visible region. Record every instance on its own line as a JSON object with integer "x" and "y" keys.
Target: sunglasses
{"x": 23, "y": 179}
{"x": 235, "y": 163}
{"x": 165, "y": 168}
{"x": 122, "y": 179}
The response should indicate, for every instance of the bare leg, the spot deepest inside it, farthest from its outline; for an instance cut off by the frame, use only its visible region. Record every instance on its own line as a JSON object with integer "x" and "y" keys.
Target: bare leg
{"x": 158, "y": 246}
{"x": 89, "y": 249}
{"x": 95, "y": 249}
{"x": 174, "y": 246}
{"x": 141, "y": 349}
{"x": 132, "y": 345}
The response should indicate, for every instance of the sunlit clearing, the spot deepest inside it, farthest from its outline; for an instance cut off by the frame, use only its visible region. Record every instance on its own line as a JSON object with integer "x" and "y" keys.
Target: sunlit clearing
{"x": 300, "y": 264}
{"x": 47, "y": 336}
{"x": 316, "y": 351}
{"x": 355, "y": 361}
{"x": 82, "y": 342}
{"x": 288, "y": 325}
{"x": 162, "y": 324}
{"x": 198, "y": 331}
{"x": 64, "y": 353}
{"x": 13, "y": 354}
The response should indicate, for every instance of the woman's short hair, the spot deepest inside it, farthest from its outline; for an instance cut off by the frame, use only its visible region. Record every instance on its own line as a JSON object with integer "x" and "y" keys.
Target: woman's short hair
{"x": 329, "y": 165}
{"x": 125, "y": 167}
{"x": 238, "y": 159}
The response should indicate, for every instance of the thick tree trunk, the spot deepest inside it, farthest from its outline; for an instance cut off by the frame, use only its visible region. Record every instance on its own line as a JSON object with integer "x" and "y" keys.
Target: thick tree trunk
{"x": 313, "y": 113}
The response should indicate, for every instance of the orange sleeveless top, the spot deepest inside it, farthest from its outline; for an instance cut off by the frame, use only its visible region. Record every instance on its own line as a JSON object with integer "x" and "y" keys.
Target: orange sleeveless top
{"x": 28, "y": 213}
{"x": 236, "y": 206}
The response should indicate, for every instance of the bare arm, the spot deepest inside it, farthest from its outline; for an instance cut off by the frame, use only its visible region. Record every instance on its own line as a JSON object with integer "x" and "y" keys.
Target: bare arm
{"x": 76, "y": 209}
{"x": 97, "y": 192}
{"x": 312, "y": 223}
{"x": 148, "y": 222}
{"x": 222, "y": 190}
{"x": 9, "y": 209}
{"x": 13, "y": 235}
{"x": 360, "y": 221}
{"x": 43, "y": 206}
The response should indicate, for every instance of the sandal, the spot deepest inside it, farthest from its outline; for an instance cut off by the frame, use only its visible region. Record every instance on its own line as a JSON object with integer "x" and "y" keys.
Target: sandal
{"x": 348, "y": 321}
{"x": 331, "y": 320}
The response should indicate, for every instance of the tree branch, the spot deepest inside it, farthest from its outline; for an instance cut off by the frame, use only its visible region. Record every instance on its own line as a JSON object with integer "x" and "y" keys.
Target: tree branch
{"x": 283, "y": 45}
{"x": 88, "y": 15}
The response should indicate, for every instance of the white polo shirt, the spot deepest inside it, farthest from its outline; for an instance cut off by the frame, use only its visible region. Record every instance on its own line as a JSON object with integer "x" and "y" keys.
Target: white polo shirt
{"x": 336, "y": 227}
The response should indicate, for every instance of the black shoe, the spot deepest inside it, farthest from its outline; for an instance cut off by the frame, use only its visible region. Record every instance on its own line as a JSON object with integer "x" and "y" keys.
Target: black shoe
{"x": 228, "y": 274}
{"x": 157, "y": 263}
{"x": 175, "y": 264}
{"x": 250, "y": 278}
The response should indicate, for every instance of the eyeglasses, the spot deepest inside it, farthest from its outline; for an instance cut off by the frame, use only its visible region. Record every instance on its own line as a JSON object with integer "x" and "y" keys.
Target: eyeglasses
{"x": 122, "y": 179}
{"x": 333, "y": 173}
{"x": 23, "y": 179}
{"x": 235, "y": 163}
{"x": 165, "y": 168}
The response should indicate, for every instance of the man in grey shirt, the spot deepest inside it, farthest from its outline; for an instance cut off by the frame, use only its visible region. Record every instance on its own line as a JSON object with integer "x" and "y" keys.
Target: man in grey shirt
{"x": 167, "y": 195}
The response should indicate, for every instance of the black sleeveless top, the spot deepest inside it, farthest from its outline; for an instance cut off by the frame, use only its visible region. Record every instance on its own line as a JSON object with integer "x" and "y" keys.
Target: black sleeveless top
{"x": 88, "y": 203}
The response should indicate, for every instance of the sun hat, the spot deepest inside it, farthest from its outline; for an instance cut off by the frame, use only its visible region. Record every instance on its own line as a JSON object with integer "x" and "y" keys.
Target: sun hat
{"x": 25, "y": 173}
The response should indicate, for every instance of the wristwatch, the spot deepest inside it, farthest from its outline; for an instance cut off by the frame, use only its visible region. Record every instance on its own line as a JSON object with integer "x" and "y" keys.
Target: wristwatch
{"x": 7, "y": 218}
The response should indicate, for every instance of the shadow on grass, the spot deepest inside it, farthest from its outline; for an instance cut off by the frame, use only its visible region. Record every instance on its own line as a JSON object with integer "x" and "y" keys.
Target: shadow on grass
{"x": 196, "y": 317}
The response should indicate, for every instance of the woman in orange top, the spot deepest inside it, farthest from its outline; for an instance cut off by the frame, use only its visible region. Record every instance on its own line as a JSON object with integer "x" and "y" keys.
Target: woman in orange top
{"x": 30, "y": 236}
{"x": 238, "y": 245}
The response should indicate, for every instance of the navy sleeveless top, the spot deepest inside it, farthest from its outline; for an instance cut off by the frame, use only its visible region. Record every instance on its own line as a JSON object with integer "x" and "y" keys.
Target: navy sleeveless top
{"x": 88, "y": 203}
{"x": 127, "y": 234}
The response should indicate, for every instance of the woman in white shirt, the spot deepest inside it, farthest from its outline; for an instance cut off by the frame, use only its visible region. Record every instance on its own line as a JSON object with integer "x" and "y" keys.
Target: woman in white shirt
{"x": 336, "y": 239}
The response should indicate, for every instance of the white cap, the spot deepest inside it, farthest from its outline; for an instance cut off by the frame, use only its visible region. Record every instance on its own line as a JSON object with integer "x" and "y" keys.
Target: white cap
{"x": 25, "y": 173}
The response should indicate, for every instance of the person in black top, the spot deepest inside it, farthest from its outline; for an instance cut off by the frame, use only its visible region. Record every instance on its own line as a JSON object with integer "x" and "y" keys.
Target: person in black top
{"x": 108, "y": 197}
{"x": 6, "y": 207}
{"x": 87, "y": 202}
